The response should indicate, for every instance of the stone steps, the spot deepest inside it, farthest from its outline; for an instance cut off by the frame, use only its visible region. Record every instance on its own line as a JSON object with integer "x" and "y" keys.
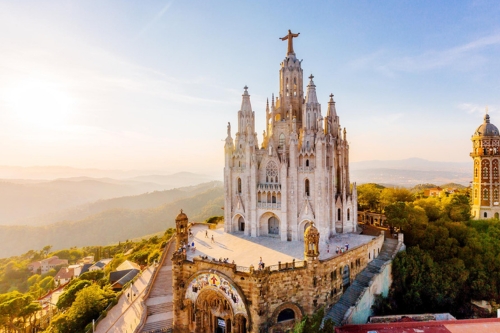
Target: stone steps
{"x": 159, "y": 308}
{"x": 355, "y": 290}
{"x": 158, "y": 326}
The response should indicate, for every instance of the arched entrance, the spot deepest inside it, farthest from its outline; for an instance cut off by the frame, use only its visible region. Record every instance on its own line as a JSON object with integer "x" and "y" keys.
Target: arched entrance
{"x": 241, "y": 224}
{"x": 496, "y": 216}
{"x": 346, "y": 277}
{"x": 273, "y": 226}
{"x": 213, "y": 312}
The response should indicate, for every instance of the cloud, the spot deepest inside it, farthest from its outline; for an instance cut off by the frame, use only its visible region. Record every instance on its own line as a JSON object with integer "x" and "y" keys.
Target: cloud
{"x": 476, "y": 108}
{"x": 463, "y": 57}
{"x": 154, "y": 20}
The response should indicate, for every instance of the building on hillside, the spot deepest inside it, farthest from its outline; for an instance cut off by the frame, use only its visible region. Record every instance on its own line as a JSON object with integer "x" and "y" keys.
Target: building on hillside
{"x": 64, "y": 275}
{"x": 433, "y": 192}
{"x": 486, "y": 182}
{"x": 98, "y": 266}
{"x": 86, "y": 260}
{"x": 126, "y": 265}
{"x": 298, "y": 174}
{"x": 46, "y": 265}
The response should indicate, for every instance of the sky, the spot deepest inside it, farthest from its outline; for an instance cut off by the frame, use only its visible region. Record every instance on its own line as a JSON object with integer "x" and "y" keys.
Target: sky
{"x": 151, "y": 85}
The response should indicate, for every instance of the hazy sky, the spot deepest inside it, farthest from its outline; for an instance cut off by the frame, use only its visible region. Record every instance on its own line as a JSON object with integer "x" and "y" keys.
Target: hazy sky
{"x": 152, "y": 84}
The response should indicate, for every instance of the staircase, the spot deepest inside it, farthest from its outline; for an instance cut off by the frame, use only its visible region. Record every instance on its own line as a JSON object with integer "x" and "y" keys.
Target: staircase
{"x": 159, "y": 302}
{"x": 362, "y": 281}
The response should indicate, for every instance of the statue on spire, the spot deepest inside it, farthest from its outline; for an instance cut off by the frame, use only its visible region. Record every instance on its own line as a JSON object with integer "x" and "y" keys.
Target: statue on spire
{"x": 290, "y": 37}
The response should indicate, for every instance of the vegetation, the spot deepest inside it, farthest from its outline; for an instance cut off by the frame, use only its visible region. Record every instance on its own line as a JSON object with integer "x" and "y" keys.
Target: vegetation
{"x": 450, "y": 259}
{"x": 313, "y": 324}
{"x": 84, "y": 298}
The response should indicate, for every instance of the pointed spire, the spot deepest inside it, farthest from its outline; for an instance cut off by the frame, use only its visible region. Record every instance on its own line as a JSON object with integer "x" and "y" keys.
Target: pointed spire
{"x": 311, "y": 91}
{"x": 332, "y": 111}
{"x": 345, "y": 134}
{"x": 267, "y": 104}
{"x": 272, "y": 101}
{"x": 245, "y": 103}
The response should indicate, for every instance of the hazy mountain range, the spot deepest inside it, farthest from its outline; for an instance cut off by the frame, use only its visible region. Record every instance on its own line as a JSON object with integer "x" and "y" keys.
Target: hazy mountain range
{"x": 410, "y": 172}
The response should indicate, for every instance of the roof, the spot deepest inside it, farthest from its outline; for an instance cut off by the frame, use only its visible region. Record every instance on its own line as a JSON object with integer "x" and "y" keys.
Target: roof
{"x": 127, "y": 277}
{"x": 85, "y": 268}
{"x": 486, "y": 128}
{"x": 118, "y": 275}
{"x": 490, "y": 325}
{"x": 126, "y": 265}
{"x": 65, "y": 273}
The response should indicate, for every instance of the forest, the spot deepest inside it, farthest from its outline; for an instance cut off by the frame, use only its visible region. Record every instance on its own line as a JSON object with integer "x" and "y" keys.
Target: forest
{"x": 450, "y": 259}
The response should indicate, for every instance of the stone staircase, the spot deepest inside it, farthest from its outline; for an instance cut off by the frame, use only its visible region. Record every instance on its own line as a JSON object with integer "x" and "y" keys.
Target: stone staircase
{"x": 362, "y": 281}
{"x": 159, "y": 302}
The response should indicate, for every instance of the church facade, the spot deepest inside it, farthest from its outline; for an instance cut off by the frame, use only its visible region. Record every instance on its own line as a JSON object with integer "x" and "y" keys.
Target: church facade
{"x": 298, "y": 174}
{"x": 486, "y": 181}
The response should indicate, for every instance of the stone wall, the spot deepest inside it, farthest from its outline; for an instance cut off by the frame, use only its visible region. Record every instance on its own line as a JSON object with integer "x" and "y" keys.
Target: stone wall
{"x": 303, "y": 286}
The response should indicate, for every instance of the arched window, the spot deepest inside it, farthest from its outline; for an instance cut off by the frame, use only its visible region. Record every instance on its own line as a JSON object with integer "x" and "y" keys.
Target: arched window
{"x": 307, "y": 187}
{"x": 475, "y": 193}
{"x": 495, "y": 194}
{"x": 286, "y": 314}
{"x": 485, "y": 215}
{"x": 239, "y": 185}
{"x": 485, "y": 172}
{"x": 272, "y": 171}
{"x": 294, "y": 86}
{"x": 282, "y": 140}
{"x": 348, "y": 214}
{"x": 287, "y": 92}
{"x": 475, "y": 172}
{"x": 495, "y": 172}
{"x": 307, "y": 163}
{"x": 338, "y": 214}
{"x": 485, "y": 194}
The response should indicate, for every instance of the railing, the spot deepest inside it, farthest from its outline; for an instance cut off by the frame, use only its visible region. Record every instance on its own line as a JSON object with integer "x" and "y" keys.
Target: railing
{"x": 243, "y": 269}
{"x": 266, "y": 205}
{"x": 269, "y": 187}
{"x": 144, "y": 315}
{"x": 306, "y": 169}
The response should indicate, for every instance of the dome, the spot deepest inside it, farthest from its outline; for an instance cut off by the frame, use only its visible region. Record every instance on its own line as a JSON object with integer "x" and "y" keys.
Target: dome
{"x": 181, "y": 216}
{"x": 486, "y": 128}
{"x": 311, "y": 230}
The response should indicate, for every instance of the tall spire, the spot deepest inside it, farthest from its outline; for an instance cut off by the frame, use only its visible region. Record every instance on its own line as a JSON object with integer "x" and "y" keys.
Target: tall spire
{"x": 311, "y": 91}
{"x": 290, "y": 38}
{"x": 245, "y": 103}
{"x": 331, "y": 112}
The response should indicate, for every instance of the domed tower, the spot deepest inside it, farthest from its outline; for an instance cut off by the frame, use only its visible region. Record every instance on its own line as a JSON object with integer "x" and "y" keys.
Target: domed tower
{"x": 311, "y": 241}
{"x": 485, "y": 184}
{"x": 181, "y": 225}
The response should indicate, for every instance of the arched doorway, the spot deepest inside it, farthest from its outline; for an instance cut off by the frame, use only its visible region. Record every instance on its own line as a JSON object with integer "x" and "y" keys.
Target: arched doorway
{"x": 273, "y": 226}
{"x": 496, "y": 216}
{"x": 241, "y": 224}
{"x": 346, "y": 277}
{"x": 213, "y": 312}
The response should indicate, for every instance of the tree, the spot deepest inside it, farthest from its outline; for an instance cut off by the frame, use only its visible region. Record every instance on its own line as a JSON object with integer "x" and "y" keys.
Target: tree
{"x": 390, "y": 195}
{"x": 69, "y": 296}
{"x": 369, "y": 196}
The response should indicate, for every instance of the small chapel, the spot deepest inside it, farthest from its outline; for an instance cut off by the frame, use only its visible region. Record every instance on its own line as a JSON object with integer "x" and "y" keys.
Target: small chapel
{"x": 299, "y": 172}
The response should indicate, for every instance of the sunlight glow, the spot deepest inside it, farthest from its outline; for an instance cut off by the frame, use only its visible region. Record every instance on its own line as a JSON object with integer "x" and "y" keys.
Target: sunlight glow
{"x": 40, "y": 104}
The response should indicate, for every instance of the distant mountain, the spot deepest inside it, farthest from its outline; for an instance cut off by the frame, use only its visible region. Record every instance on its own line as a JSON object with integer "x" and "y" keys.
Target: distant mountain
{"x": 412, "y": 164}
{"x": 141, "y": 201}
{"x": 175, "y": 180}
{"x": 410, "y": 172}
{"x": 111, "y": 225}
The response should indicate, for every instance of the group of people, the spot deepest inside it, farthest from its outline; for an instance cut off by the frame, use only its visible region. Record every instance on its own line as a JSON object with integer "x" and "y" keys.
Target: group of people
{"x": 206, "y": 236}
{"x": 342, "y": 249}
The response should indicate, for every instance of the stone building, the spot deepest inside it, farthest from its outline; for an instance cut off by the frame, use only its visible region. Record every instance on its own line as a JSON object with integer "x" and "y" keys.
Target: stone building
{"x": 485, "y": 184}
{"x": 299, "y": 174}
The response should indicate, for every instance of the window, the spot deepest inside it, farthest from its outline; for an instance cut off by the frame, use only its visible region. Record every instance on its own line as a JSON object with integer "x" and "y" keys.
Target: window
{"x": 495, "y": 172}
{"x": 282, "y": 140}
{"x": 286, "y": 314}
{"x": 272, "y": 172}
{"x": 475, "y": 172}
{"x": 485, "y": 194}
{"x": 485, "y": 172}
{"x": 485, "y": 214}
{"x": 495, "y": 194}
{"x": 338, "y": 214}
{"x": 307, "y": 163}
{"x": 475, "y": 193}
{"x": 239, "y": 185}
{"x": 348, "y": 214}
{"x": 307, "y": 187}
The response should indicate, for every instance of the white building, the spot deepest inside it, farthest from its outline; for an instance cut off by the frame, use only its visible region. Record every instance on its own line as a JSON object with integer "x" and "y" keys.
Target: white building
{"x": 299, "y": 173}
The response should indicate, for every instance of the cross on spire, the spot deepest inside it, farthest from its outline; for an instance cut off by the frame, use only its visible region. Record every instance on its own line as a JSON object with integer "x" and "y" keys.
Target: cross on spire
{"x": 311, "y": 77}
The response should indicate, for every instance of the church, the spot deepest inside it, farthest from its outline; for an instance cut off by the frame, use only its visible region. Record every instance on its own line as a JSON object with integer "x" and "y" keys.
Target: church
{"x": 290, "y": 244}
{"x": 298, "y": 174}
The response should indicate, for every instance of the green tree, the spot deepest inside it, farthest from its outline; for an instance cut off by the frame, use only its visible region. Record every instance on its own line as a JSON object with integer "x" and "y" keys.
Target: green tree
{"x": 369, "y": 196}
{"x": 69, "y": 296}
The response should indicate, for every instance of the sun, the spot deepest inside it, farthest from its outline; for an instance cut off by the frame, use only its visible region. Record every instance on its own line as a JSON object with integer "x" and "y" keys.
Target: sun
{"x": 40, "y": 103}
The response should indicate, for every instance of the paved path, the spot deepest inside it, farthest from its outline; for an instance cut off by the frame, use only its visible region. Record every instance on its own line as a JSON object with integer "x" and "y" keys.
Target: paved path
{"x": 125, "y": 315}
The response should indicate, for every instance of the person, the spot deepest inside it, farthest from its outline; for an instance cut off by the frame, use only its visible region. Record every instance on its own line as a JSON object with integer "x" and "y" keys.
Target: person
{"x": 192, "y": 247}
{"x": 261, "y": 264}
{"x": 213, "y": 241}
{"x": 206, "y": 233}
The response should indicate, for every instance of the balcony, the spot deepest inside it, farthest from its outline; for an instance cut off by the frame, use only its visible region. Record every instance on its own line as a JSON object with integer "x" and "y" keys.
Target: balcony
{"x": 268, "y": 187}
{"x": 269, "y": 205}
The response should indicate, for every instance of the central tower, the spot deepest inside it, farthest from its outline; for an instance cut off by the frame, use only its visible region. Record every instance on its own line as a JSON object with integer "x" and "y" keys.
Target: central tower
{"x": 299, "y": 174}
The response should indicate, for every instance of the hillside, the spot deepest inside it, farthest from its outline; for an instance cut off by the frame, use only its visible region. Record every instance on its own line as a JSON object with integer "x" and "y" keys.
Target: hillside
{"x": 141, "y": 201}
{"x": 110, "y": 226}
